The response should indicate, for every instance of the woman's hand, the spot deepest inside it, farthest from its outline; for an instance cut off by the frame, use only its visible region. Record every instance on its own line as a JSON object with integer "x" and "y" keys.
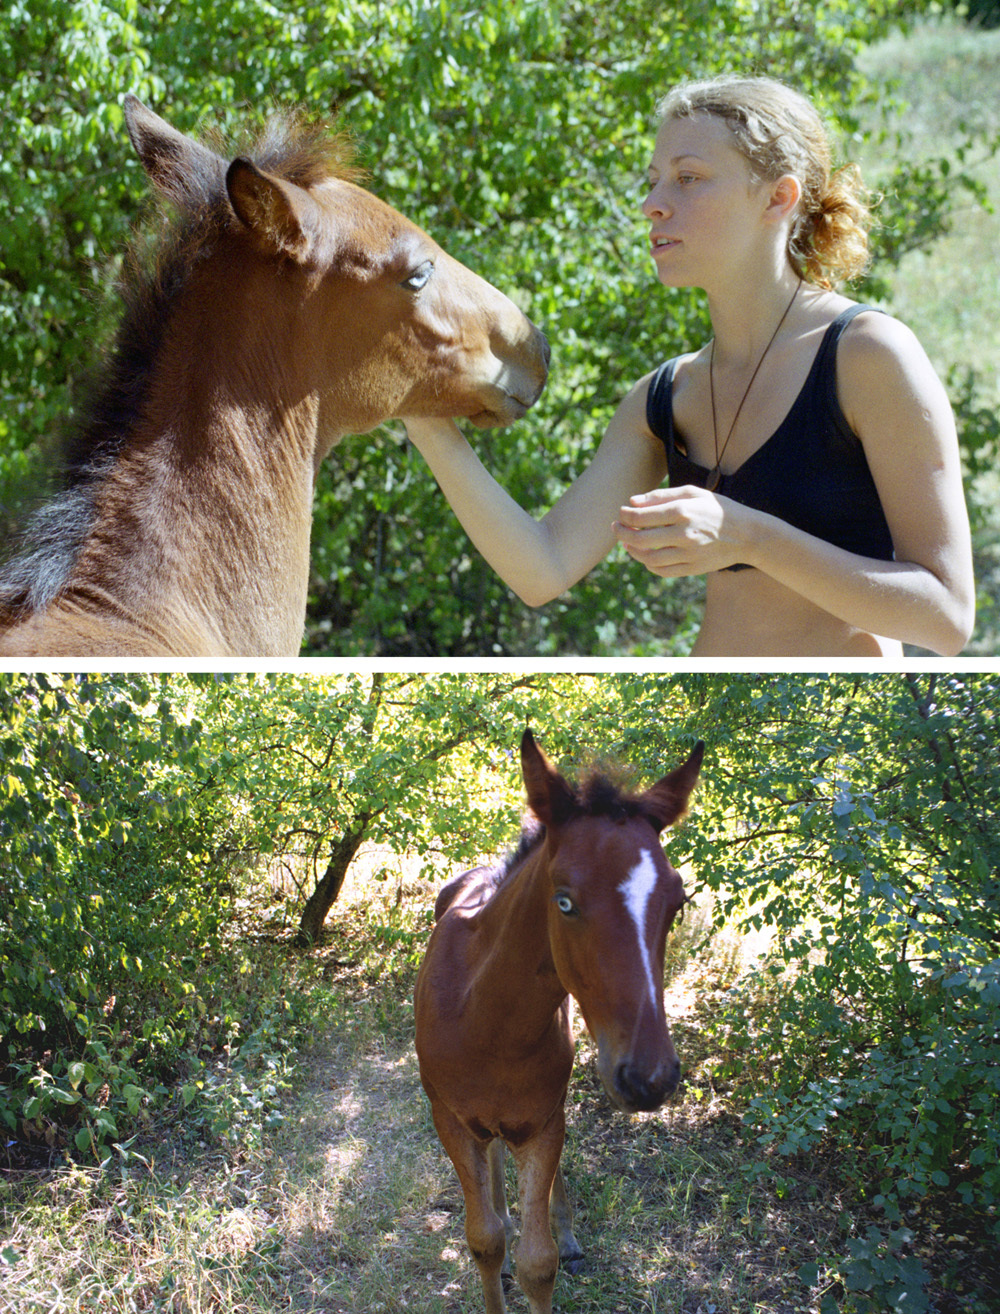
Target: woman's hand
{"x": 684, "y": 531}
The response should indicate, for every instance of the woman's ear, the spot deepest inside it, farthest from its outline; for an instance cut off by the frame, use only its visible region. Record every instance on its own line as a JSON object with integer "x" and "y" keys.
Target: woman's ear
{"x": 786, "y": 193}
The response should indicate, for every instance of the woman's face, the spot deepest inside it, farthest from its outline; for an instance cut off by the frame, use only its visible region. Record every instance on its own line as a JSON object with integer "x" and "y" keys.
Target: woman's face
{"x": 703, "y": 207}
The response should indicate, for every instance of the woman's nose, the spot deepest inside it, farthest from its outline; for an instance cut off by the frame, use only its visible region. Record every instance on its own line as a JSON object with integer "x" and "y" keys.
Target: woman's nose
{"x": 655, "y": 203}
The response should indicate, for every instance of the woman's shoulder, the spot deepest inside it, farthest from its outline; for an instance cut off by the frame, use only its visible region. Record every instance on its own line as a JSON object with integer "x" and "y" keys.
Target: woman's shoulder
{"x": 875, "y": 347}
{"x": 673, "y": 365}
{"x": 669, "y": 375}
{"x": 884, "y": 376}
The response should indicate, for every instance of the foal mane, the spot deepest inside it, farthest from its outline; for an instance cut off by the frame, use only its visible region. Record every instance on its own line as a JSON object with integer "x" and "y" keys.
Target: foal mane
{"x": 598, "y": 795}
{"x": 156, "y": 269}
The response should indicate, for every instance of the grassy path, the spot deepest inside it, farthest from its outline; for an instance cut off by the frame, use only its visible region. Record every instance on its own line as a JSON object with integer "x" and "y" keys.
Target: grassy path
{"x": 670, "y": 1213}
{"x": 352, "y": 1208}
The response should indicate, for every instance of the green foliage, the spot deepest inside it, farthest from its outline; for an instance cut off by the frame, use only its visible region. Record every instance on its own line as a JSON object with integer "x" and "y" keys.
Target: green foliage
{"x": 135, "y": 814}
{"x": 877, "y": 1276}
{"x": 864, "y": 835}
{"x": 536, "y": 188}
{"x": 109, "y": 902}
{"x": 984, "y": 12}
{"x": 853, "y": 819}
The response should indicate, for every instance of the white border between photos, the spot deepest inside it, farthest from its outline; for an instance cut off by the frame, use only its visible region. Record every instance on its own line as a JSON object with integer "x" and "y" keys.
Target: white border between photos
{"x": 506, "y": 665}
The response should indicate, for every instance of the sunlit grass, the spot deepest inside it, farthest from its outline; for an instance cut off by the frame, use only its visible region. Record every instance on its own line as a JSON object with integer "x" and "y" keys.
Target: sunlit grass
{"x": 350, "y": 1206}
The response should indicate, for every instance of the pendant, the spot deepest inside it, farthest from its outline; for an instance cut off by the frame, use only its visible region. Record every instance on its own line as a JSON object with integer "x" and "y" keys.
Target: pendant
{"x": 714, "y": 479}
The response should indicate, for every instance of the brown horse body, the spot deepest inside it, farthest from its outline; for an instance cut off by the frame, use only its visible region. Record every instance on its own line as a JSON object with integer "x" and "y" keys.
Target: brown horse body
{"x": 583, "y": 909}
{"x": 290, "y": 308}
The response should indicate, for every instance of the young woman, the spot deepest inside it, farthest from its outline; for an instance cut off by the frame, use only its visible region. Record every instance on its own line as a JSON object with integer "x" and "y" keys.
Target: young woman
{"x": 811, "y": 452}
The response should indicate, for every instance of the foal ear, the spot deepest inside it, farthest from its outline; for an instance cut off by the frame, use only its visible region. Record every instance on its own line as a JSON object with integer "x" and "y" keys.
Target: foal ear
{"x": 276, "y": 212}
{"x": 180, "y": 168}
{"x": 549, "y": 796}
{"x": 666, "y": 802}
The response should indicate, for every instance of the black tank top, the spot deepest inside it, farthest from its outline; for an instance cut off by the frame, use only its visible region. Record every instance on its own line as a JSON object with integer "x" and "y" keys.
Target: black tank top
{"x": 812, "y": 472}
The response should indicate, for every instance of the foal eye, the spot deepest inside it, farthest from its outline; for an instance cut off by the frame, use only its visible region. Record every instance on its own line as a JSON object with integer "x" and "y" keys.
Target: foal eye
{"x": 419, "y": 278}
{"x": 565, "y": 904}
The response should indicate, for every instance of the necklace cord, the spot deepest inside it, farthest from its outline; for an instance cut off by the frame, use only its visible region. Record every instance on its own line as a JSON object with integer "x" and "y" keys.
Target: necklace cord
{"x": 715, "y": 475}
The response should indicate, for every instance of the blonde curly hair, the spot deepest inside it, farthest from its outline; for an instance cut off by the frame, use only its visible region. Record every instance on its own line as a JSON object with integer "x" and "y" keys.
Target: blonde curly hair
{"x": 778, "y": 132}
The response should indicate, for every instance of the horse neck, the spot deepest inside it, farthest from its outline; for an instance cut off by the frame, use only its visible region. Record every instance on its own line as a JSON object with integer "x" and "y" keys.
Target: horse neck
{"x": 516, "y": 971}
{"x": 208, "y": 507}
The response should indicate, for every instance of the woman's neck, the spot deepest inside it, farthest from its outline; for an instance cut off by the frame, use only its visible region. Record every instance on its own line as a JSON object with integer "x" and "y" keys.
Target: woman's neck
{"x": 744, "y": 317}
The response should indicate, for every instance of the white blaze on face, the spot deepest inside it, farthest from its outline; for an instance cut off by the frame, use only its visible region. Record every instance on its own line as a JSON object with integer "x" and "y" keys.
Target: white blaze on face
{"x": 636, "y": 889}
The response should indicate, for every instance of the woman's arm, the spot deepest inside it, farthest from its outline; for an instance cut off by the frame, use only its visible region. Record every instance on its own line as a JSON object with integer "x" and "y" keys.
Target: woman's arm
{"x": 896, "y": 405}
{"x": 539, "y": 559}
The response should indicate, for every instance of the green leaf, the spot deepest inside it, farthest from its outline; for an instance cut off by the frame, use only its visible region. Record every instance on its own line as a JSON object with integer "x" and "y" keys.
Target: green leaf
{"x": 809, "y": 1274}
{"x": 63, "y": 1096}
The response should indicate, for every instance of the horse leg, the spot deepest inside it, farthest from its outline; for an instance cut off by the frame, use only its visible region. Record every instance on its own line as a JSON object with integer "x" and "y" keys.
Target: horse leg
{"x": 484, "y": 1228}
{"x": 537, "y": 1254}
{"x": 498, "y": 1197}
{"x": 561, "y": 1218}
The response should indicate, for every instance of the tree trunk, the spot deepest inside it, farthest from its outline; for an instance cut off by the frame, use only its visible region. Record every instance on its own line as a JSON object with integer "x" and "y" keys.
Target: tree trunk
{"x": 328, "y": 887}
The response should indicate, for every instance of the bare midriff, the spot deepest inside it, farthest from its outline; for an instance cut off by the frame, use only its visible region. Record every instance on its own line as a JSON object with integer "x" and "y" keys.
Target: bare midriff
{"x": 748, "y": 614}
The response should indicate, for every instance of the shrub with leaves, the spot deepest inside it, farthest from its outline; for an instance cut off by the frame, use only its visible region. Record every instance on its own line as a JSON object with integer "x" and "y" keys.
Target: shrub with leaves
{"x": 863, "y": 824}
{"x": 109, "y": 902}
{"x": 537, "y": 189}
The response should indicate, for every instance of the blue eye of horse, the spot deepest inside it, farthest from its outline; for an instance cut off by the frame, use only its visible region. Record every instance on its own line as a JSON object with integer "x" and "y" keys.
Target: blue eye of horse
{"x": 420, "y": 277}
{"x": 565, "y": 904}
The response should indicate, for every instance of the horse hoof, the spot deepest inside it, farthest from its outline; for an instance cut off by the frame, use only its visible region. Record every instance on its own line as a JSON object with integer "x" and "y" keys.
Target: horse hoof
{"x": 573, "y": 1264}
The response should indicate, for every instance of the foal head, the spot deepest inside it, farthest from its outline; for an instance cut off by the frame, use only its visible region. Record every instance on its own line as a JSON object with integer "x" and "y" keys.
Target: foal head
{"x": 343, "y": 299}
{"x": 614, "y": 897}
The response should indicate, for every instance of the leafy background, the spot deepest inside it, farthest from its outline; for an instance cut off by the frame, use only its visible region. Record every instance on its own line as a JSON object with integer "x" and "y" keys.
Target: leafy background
{"x": 517, "y": 134}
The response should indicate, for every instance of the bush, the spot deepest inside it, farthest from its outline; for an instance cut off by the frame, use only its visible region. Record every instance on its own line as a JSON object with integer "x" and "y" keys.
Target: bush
{"x": 536, "y": 189}
{"x": 111, "y": 904}
{"x": 871, "y": 1031}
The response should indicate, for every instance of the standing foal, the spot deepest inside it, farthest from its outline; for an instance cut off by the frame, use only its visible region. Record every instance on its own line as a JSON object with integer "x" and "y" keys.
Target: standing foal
{"x": 583, "y": 909}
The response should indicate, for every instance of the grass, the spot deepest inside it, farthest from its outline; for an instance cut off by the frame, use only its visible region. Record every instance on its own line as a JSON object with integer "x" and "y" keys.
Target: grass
{"x": 353, "y": 1208}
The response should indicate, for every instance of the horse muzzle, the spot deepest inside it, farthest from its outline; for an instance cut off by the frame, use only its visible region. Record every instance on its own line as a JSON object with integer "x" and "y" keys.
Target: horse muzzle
{"x": 638, "y": 1080}
{"x": 516, "y": 386}
{"x": 635, "y": 1091}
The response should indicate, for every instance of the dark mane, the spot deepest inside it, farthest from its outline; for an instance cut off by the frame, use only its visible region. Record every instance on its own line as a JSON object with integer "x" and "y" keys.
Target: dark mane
{"x": 155, "y": 271}
{"x": 598, "y": 795}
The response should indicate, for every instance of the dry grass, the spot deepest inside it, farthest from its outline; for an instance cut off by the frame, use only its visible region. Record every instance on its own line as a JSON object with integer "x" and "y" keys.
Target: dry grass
{"x": 947, "y": 75}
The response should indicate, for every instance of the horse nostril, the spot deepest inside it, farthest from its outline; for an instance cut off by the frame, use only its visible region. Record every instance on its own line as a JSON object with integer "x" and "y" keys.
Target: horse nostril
{"x": 641, "y": 1093}
{"x": 673, "y": 1079}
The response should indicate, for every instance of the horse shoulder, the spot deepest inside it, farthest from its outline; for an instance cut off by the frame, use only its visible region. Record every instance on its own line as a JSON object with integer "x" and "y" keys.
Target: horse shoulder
{"x": 464, "y": 893}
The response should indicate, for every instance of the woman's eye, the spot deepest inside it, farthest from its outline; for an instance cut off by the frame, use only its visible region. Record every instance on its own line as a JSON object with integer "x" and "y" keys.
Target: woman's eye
{"x": 565, "y": 904}
{"x": 420, "y": 277}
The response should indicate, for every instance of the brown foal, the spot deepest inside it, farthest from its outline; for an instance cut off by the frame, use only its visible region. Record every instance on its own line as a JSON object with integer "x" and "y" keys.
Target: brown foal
{"x": 286, "y": 308}
{"x": 583, "y": 909}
